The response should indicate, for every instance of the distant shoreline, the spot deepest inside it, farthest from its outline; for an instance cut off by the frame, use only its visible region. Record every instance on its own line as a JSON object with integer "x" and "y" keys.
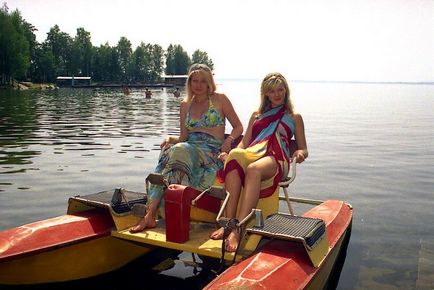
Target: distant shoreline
{"x": 339, "y": 82}
{"x": 35, "y": 86}
{"x": 162, "y": 85}
{"x": 51, "y": 86}
{"x": 368, "y": 82}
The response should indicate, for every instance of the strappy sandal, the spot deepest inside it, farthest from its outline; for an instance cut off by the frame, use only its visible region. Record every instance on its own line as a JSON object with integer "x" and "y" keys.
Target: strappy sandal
{"x": 231, "y": 225}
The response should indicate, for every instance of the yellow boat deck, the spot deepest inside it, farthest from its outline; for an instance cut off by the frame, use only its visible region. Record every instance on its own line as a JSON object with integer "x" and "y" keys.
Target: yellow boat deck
{"x": 199, "y": 241}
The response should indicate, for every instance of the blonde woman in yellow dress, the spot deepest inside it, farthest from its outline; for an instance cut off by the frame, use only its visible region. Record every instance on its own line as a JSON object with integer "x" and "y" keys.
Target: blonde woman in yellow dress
{"x": 263, "y": 155}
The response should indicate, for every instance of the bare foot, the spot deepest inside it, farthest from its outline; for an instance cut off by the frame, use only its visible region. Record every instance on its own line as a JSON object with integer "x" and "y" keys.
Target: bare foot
{"x": 233, "y": 240}
{"x": 148, "y": 221}
{"x": 217, "y": 234}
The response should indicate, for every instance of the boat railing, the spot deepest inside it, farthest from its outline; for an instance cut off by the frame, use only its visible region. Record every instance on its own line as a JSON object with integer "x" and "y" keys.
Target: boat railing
{"x": 218, "y": 192}
{"x": 302, "y": 200}
{"x": 284, "y": 184}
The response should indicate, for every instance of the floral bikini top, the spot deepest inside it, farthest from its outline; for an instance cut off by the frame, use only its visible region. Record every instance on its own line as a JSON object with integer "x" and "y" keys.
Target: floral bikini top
{"x": 210, "y": 119}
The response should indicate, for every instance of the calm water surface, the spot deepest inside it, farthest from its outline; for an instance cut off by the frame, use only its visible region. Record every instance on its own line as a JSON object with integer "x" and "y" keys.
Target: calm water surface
{"x": 370, "y": 144}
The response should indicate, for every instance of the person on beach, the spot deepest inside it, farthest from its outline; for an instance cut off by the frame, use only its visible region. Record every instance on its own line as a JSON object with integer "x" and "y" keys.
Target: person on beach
{"x": 192, "y": 158}
{"x": 262, "y": 157}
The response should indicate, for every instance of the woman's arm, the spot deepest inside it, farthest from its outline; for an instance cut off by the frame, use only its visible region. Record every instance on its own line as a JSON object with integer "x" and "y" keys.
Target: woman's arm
{"x": 248, "y": 135}
{"x": 245, "y": 141}
{"x": 301, "y": 153}
{"x": 183, "y": 130}
{"x": 234, "y": 120}
{"x": 182, "y": 116}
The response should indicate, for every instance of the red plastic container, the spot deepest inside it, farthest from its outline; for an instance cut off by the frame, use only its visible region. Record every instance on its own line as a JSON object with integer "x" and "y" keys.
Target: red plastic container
{"x": 178, "y": 204}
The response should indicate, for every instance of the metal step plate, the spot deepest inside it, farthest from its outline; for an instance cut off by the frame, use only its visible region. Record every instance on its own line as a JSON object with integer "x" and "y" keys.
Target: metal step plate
{"x": 289, "y": 227}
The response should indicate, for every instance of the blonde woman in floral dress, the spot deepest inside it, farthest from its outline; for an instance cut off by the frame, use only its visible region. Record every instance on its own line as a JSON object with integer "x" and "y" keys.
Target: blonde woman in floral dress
{"x": 192, "y": 158}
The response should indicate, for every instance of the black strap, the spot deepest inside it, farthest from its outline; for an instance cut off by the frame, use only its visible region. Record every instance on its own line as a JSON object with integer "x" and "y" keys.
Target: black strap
{"x": 231, "y": 224}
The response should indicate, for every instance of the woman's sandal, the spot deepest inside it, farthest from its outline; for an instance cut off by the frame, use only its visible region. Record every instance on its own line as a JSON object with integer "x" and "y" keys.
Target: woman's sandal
{"x": 231, "y": 227}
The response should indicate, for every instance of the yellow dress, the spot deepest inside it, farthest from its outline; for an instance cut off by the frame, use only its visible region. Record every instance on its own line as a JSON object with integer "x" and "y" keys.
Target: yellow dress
{"x": 271, "y": 135}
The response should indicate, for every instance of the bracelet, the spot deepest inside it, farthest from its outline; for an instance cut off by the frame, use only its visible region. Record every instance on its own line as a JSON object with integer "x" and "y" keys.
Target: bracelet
{"x": 230, "y": 137}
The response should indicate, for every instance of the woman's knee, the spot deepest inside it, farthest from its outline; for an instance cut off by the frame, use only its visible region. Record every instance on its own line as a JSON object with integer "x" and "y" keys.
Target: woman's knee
{"x": 263, "y": 168}
{"x": 181, "y": 149}
{"x": 253, "y": 171}
{"x": 183, "y": 146}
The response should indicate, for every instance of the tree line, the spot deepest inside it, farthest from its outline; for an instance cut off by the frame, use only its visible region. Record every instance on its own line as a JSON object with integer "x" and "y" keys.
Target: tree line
{"x": 22, "y": 58}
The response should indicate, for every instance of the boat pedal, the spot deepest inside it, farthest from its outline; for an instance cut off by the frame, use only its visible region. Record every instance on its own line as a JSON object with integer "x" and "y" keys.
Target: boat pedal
{"x": 289, "y": 227}
{"x": 311, "y": 232}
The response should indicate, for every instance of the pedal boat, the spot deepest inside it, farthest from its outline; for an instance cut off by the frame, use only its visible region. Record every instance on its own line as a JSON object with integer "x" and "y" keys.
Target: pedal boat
{"x": 278, "y": 251}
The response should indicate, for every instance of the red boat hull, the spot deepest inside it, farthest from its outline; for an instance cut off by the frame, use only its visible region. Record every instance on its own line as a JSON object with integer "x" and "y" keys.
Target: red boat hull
{"x": 285, "y": 264}
{"x": 77, "y": 246}
{"x": 63, "y": 230}
{"x": 63, "y": 248}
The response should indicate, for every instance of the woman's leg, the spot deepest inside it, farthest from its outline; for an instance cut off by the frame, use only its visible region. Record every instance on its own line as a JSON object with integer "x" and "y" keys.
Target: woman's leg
{"x": 256, "y": 172}
{"x": 172, "y": 164}
{"x": 149, "y": 220}
{"x": 233, "y": 186}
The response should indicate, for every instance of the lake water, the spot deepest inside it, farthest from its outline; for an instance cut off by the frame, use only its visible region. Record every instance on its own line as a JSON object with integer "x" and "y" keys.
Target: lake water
{"x": 371, "y": 145}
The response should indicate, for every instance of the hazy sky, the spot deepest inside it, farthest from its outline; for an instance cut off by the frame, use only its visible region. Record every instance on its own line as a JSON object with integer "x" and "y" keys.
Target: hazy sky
{"x": 366, "y": 40}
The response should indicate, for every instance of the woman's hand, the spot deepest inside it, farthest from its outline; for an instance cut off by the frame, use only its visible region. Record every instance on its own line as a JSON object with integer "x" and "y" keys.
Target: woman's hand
{"x": 165, "y": 144}
{"x": 222, "y": 156}
{"x": 299, "y": 156}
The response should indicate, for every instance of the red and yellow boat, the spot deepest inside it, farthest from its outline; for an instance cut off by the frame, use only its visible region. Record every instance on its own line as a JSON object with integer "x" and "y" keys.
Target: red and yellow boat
{"x": 278, "y": 251}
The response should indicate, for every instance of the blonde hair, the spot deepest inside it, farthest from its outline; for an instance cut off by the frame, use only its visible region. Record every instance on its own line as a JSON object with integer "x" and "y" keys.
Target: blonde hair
{"x": 204, "y": 71}
{"x": 272, "y": 81}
